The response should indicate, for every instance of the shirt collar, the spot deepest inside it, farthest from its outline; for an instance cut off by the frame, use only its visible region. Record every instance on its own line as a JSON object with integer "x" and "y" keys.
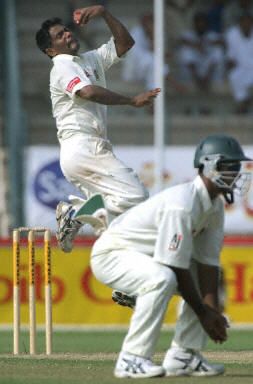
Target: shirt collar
{"x": 64, "y": 56}
{"x": 204, "y": 195}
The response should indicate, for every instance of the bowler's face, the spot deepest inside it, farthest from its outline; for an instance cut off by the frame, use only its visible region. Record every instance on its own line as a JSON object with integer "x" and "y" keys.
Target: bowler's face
{"x": 63, "y": 41}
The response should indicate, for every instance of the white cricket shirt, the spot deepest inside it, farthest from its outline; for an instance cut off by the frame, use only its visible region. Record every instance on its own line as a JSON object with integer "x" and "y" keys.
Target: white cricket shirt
{"x": 68, "y": 75}
{"x": 173, "y": 226}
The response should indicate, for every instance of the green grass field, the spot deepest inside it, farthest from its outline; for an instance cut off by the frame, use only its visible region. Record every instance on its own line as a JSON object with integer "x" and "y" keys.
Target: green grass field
{"x": 89, "y": 357}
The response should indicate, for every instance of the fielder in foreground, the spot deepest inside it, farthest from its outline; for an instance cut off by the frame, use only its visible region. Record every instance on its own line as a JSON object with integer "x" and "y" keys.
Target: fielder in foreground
{"x": 170, "y": 244}
{"x": 79, "y": 99}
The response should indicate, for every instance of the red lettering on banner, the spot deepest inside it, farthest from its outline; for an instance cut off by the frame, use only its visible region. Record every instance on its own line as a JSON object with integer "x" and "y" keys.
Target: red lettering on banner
{"x": 238, "y": 282}
{"x": 87, "y": 288}
{"x": 7, "y": 283}
{"x": 72, "y": 83}
{"x": 58, "y": 286}
{"x": 39, "y": 286}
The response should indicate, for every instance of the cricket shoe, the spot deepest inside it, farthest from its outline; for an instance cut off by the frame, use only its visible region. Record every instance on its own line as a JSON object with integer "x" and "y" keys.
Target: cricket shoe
{"x": 187, "y": 362}
{"x": 136, "y": 367}
{"x": 67, "y": 227}
{"x": 123, "y": 299}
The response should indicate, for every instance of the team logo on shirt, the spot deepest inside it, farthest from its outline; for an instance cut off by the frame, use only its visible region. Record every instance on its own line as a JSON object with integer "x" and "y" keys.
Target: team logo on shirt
{"x": 87, "y": 73}
{"x": 95, "y": 72}
{"x": 175, "y": 242}
{"x": 72, "y": 83}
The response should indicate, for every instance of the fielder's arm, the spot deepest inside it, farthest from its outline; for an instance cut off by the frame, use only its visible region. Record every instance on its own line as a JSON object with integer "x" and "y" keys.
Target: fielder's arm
{"x": 105, "y": 96}
{"x": 123, "y": 39}
{"x": 208, "y": 277}
{"x": 211, "y": 320}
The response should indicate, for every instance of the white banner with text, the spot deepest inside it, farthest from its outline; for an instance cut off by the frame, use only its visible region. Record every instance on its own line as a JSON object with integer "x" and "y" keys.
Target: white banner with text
{"x": 45, "y": 184}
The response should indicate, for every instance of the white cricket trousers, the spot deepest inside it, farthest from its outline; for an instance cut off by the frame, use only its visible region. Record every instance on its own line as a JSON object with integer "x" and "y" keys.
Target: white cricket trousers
{"x": 138, "y": 274}
{"x": 88, "y": 162}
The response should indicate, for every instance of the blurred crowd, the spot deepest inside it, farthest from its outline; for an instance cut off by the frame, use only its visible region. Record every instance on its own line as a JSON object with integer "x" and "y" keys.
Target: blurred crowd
{"x": 209, "y": 44}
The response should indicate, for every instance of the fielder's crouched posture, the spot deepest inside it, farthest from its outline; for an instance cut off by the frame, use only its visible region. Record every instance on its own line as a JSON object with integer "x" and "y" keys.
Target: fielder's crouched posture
{"x": 168, "y": 244}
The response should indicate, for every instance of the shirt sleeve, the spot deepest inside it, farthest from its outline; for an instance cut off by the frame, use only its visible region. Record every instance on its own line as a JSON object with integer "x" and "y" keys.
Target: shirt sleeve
{"x": 107, "y": 54}
{"x": 174, "y": 243}
{"x": 72, "y": 78}
{"x": 208, "y": 244}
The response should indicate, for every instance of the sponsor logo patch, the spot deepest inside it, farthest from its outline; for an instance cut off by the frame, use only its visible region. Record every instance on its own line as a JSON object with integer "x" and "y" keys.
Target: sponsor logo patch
{"x": 175, "y": 242}
{"x": 72, "y": 83}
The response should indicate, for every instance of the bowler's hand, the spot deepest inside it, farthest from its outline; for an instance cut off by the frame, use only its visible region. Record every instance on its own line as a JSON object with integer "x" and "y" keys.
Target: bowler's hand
{"x": 82, "y": 16}
{"x": 145, "y": 98}
{"x": 214, "y": 324}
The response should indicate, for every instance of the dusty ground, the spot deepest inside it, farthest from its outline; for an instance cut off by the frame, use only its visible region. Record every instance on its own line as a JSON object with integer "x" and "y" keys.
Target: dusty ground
{"x": 230, "y": 357}
{"x": 224, "y": 356}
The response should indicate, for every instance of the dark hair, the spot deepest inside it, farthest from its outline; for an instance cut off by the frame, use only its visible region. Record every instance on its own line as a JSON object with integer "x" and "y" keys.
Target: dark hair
{"x": 43, "y": 38}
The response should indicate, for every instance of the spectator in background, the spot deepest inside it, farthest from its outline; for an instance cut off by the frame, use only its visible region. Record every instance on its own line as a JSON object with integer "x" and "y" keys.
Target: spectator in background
{"x": 138, "y": 65}
{"x": 201, "y": 54}
{"x": 179, "y": 14}
{"x": 239, "y": 43}
{"x": 234, "y": 9}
